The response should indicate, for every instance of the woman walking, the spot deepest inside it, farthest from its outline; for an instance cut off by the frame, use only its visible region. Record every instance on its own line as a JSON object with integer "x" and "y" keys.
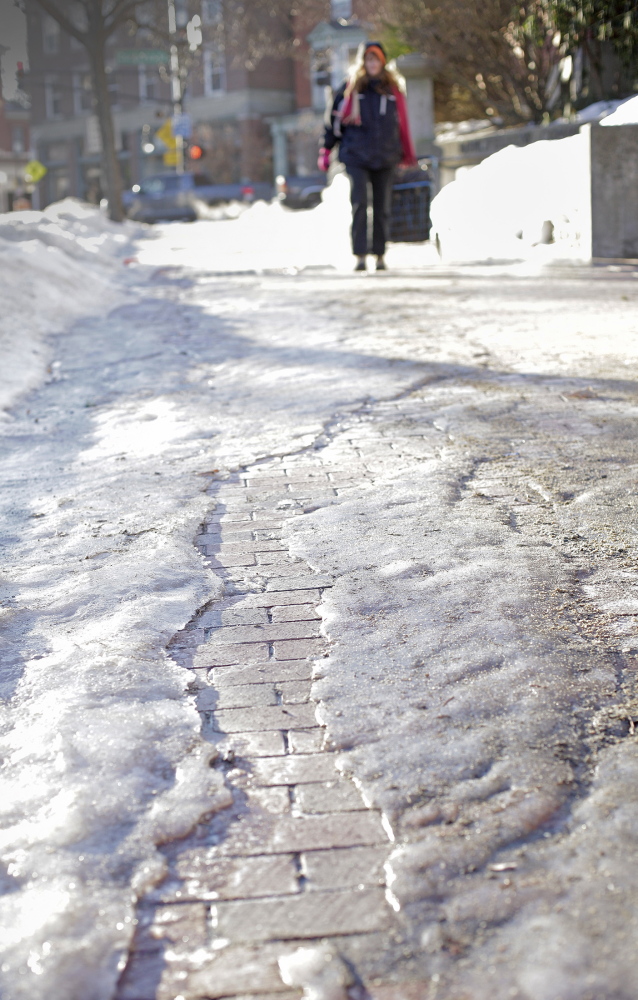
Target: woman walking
{"x": 369, "y": 121}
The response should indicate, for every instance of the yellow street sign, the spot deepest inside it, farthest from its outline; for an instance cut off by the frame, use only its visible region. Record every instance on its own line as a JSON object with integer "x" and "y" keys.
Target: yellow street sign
{"x": 170, "y": 159}
{"x": 34, "y": 171}
{"x": 165, "y": 134}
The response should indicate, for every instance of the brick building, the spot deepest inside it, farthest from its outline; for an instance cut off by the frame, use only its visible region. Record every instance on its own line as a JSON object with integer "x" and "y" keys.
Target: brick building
{"x": 325, "y": 51}
{"x": 231, "y": 105}
{"x": 252, "y": 123}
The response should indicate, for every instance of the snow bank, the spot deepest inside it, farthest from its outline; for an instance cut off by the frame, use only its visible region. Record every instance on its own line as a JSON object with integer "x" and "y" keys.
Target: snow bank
{"x": 271, "y": 237}
{"x": 502, "y": 209}
{"x": 264, "y": 236}
{"x": 56, "y": 266}
{"x": 518, "y": 201}
{"x": 625, "y": 114}
{"x": 102, "y": 757}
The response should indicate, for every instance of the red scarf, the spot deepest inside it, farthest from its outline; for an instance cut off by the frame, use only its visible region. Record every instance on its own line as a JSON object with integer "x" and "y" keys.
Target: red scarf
{"x": 349, "y": 114}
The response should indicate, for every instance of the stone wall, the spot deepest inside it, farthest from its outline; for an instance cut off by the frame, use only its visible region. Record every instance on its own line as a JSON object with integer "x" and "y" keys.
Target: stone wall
{"x": 614, "y": 191}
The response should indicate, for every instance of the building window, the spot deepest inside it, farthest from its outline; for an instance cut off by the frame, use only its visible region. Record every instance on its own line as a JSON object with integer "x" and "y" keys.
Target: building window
{"x": 78, "y": 17}
{"x": 82, "y": 93}
{"x": 18, "y": 138}
{"x": 52, "y": 97}
{"x": 211, "y": 11}
{"x": 214, "y": 72}
{"x": 341, "y": 10}
{"x": 58, "y": 184}
{"x": 146, "y": 38}
{"x": 181, "y": 13}
{"x": 148, "y": 80}
{"x": 57, "y": 152}
{"x": 321, "y": 77}
{"x": 50, "y": 35}
{"x": 113, "y": 89}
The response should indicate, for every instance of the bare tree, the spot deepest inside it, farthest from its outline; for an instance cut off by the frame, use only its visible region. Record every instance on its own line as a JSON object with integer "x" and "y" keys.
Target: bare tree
{"x": 523, "y": 60}
{"x": 503, "y": 53}
{"x": 92, "y": 22}
{"x": 605, "y": 32}
{"x": 258, "y": 29}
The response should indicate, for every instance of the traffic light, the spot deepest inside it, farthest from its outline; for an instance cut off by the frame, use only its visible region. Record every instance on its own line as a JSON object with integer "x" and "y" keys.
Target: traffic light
{"x": 195, "y": 152}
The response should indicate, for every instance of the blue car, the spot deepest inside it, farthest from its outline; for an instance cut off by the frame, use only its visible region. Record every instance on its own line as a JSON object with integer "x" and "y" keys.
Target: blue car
{"x": 170, "y": 196}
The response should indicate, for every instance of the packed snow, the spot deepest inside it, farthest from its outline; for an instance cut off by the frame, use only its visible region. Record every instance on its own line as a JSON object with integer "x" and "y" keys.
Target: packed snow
{"x": 481, "y": 686}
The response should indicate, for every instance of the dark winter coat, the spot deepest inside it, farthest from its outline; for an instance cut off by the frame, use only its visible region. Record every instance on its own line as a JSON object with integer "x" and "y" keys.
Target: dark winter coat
{"x": 376, "y": 142}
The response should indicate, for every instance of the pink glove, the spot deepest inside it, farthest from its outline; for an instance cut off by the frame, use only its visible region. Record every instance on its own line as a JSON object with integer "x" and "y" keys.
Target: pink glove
{"x": 324, "y": 159}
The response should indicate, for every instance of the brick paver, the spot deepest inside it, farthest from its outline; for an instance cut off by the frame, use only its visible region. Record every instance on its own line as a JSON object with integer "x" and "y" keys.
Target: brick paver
{"x": 306, "y": 915}
{"x": 298, "y": 857}
{"x": 250, "y": 720}
{"x": 260, "y": 672}
{"x": 341, "y": 867}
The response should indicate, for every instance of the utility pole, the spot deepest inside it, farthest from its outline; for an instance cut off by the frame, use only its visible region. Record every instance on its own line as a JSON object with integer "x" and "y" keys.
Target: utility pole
{"x": 176, "y": 84}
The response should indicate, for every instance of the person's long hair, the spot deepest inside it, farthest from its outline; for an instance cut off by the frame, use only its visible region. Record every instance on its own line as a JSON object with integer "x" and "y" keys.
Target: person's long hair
{"x": 388, "y": 79}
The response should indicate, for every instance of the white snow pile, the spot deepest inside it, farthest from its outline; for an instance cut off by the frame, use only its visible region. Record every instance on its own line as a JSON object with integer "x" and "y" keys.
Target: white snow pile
{"x": 55, "y": 266}
{"x": 519, "y": 200}
{"x": 320, "y": 970}
{"x": 270, "y": 237}
{"x": 503, "y": 208}
{"x": 266, "y": 236}
{"x": 626, "y": 113}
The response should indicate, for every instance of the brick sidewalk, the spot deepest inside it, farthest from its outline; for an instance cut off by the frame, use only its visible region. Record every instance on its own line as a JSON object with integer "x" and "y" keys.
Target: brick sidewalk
{"x": 298, "y": 858}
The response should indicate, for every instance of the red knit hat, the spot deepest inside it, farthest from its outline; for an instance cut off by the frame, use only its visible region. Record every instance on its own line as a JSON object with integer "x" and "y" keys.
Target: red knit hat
{"x": 377, "y": 49}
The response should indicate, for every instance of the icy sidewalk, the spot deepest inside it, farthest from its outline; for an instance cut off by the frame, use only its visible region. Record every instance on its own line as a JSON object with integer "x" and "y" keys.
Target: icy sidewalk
{"x": 297, "y": 862}
{"x": 480, "y": 683}
{"x": 482, "y": 621}
{"x": 104, "y": 470}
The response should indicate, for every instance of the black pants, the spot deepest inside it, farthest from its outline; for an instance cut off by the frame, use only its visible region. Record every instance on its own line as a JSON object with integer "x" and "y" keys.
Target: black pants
{"x": 381, "y": 181}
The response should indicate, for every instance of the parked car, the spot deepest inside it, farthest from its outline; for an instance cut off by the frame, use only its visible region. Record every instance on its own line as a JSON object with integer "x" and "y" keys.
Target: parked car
{"x": 170, "y": 196}
{"x": 301, "y": 192}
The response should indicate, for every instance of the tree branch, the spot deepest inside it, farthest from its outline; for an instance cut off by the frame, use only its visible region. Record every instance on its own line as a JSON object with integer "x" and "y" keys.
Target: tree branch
{"x": 121, "y": 11}
{"x": 67, "y": 25}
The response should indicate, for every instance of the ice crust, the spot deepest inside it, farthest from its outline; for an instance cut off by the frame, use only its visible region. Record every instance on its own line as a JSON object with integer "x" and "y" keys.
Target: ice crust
{"x": 102, "y": 754}
{"x": 473, "y": 705}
